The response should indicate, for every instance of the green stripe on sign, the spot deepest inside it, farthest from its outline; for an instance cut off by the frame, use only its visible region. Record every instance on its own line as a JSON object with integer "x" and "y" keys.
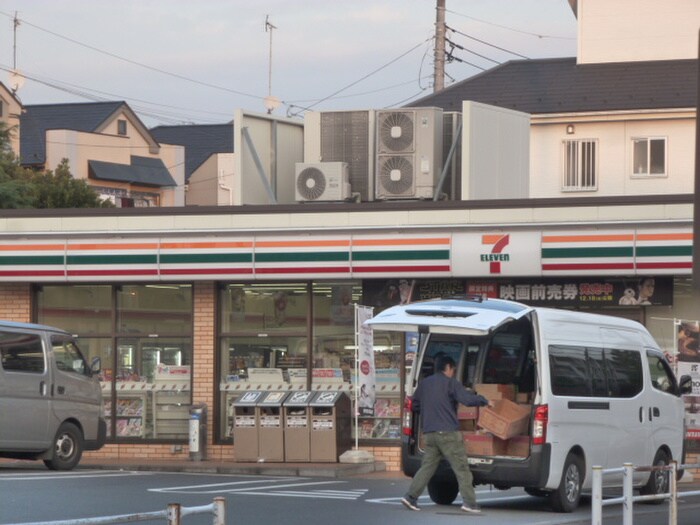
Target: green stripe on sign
{"x": 181, "y": 258}
{"x": 664, "y": 251}
{"x": 301, "y": 257}
{"x": 113, "y": 259}
{"x": 31, "y": 259}
{"x": 576, "y": 253}
{"x": 403, "y": 255}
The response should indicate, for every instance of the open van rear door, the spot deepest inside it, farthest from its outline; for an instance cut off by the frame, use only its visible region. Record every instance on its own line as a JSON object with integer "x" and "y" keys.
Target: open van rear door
{"x": 449, "y": 316}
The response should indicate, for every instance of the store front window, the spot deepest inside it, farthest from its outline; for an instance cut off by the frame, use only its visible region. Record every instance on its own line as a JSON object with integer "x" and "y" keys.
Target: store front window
{"x": 265, "y": 330}
{"x": 264, "y": 340}
{"x": 146, "y": 381}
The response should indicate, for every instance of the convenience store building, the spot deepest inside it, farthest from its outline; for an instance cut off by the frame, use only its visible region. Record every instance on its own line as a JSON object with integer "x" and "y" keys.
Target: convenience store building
{"x": 199, "y": 305}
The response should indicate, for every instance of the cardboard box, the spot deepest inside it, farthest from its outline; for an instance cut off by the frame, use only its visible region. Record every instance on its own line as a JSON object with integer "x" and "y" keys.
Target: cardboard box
{"x": 518, "y": 446}
{"x": 484, "y": 444}
{"x": 522, "y": 397}
{"x": 504, "y": 419}
{"x": 465, "y": 412}
{"x": 467, "y": 424}
{"x": 494, "y": 392}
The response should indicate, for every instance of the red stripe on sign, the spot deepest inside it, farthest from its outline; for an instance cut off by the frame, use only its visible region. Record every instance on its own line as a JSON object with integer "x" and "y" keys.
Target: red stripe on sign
{"x": 207, "y": 271}
{"x": 32, "y": 273}
{"x": 601, "y": 266}
{"x": 78, "y": 273}
{"x": 340, "y": 269}
{"x": 391, "y": 269}
{"x": 665, "y": 265}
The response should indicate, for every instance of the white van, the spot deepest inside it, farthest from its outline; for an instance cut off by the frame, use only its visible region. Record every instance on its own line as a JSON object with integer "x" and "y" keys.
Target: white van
{"x": 50, "y": 399}
{"x": 597, "y": 388}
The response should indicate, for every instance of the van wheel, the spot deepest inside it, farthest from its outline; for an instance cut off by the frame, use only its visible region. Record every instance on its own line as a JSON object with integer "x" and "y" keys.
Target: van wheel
{"x": 658, "y": 480}
{"x": 67, "y": 448}
{"x": 566, "y": 497}
{"x": 443, "y": 492}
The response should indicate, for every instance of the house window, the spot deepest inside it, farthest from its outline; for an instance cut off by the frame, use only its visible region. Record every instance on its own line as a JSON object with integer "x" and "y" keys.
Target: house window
{"x": 580, "y": 165}
{"x": 649, "y": 157}
{"x": 121, "y": 127}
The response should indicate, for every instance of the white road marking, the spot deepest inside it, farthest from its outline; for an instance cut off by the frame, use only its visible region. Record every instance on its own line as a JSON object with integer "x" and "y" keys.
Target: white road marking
{"x": 73, "y": 475}
{"x": 227, "y": 484}
{"x": 221, "y": 487}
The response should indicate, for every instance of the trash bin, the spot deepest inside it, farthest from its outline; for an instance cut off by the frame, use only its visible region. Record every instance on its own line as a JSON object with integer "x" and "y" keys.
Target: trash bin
{"x": 297, "y": 425}
{"x": 245, "y": 426}
{"x": 271, "y": 429}
{"x": 198, "y": 431}
{"x": 330, "y": 426}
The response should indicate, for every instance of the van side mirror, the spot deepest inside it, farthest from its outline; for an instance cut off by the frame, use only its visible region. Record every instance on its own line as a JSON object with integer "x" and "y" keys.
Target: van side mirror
{"x": 96, "y": 365}
{"x": 686, "y": 384}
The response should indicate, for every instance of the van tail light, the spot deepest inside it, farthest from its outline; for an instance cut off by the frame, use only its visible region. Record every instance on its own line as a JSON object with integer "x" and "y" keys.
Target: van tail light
{"x": 539, "y": 427}
{"x": 407, "y": 427}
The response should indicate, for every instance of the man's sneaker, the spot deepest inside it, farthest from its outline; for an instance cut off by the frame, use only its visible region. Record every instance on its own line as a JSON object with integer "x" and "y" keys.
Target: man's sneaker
{"x": 471, "y": 509}
{"x": 410, "y": 502}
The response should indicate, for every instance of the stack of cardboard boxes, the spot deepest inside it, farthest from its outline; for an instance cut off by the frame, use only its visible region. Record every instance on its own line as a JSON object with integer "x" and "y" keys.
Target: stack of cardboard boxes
{"x": 500, "y": 429}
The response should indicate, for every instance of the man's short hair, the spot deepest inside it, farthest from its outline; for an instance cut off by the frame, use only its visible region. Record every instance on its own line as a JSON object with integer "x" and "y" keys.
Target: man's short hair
{"x": 443, "y": 361}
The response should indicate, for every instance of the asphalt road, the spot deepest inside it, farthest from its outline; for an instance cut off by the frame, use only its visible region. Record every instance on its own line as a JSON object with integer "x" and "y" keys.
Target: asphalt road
{"x": 33, "y": 494}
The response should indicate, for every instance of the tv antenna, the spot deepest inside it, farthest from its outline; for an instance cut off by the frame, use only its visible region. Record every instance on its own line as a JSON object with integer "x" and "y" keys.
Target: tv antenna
{"x": 271, "y": 103}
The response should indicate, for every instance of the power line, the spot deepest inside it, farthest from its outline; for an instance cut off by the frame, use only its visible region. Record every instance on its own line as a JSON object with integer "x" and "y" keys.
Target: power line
{"x": 454, "y": 44}
{"x": 487, "y": 43}
{"x": 509, "y": 28}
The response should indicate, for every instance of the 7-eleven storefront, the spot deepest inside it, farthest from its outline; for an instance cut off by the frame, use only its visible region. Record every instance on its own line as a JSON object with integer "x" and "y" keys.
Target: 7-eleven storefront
{"x": 183, "y": 313}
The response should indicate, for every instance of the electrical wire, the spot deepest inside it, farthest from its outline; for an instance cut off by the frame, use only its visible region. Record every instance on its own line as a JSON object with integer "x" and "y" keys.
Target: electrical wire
{"x": 509, "y": 28}
{"x": 454, "y": 44}
{"x": 487, "y": 43}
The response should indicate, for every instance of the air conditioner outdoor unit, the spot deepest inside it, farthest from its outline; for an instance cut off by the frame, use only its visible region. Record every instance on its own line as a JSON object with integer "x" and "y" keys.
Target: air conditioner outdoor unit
{"x": 322, "y": 181}
{"x": 409, "y": 152}
{"x": 343, "y": 136}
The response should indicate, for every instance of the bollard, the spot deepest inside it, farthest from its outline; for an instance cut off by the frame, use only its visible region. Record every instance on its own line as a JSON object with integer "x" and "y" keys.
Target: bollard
{"x": 673, "y": 489}
{"x": 627, "y": 494}
{"x": 219, "y": 511}
{"x": 597, "y": 496}
{"x": 173, "y": 513}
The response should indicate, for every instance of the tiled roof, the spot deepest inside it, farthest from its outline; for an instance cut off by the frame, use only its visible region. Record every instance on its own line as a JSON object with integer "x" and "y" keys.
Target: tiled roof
{"x": 560, "y": 86}
{"x": 142, "y": 170}
{"x": 200, "y": 141}
{"x": 37, "y": 119}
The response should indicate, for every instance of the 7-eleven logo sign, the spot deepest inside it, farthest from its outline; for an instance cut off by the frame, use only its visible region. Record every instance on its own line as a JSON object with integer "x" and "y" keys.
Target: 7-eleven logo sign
{"x": 496, "y": 256}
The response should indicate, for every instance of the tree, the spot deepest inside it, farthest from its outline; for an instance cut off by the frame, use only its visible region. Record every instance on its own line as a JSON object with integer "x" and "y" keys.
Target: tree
{"x": 25, "y": 188}
{"x": 58, "y": 189}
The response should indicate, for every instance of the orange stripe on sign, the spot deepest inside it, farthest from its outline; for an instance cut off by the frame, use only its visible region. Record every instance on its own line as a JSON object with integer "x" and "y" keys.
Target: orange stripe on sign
{"x": 664, "y": 236}
{"x": 126, "y": 246}
{"x": 400, "y": 242}
{"x": 31, "y": 247}
{"x": 186, "y": 245}
{"x": 588, "y": 238}
{"x": 491, "y": 239}
{"x": 300, "y": 244}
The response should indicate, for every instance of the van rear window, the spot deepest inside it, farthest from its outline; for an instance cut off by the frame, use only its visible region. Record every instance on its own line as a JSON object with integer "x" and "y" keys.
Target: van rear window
{"x": 21, "y": 353}
{"x": 595, "y": 372}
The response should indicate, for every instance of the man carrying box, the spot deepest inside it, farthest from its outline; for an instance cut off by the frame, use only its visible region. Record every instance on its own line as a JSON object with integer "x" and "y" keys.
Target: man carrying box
{"x": 437, "y": 398}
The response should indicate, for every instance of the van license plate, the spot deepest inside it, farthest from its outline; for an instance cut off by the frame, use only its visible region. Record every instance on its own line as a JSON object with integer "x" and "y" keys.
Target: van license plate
{"x": 480, "y": 461}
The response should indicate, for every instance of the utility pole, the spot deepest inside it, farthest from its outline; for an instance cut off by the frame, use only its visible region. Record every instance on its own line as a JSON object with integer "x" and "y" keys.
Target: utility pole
{"x": 271, "y": 103}
{"x": 15, "y": 22}
{"x": 439, "y": 75}
{"x": 696, "y": 199}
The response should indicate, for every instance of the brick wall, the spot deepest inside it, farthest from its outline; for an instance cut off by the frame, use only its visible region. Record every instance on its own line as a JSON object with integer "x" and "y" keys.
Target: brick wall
{"x": 15, "y": 302}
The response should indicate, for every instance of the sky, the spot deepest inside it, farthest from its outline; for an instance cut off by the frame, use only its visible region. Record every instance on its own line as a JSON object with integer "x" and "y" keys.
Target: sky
{"x": 185, "y": 62}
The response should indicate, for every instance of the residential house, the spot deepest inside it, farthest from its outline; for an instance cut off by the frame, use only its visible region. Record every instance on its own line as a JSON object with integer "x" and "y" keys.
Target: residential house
{"x": 209, "y": 161}
{"x": 617, "y": 120}
{"x": 10, "y": 110}
{"x": 108, "y": 146}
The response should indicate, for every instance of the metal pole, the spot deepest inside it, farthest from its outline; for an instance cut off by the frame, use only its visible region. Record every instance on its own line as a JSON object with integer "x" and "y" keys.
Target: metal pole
{"x": 173, "y": 513}
{"x": 219, "y": 511}
{"x": 597, "y": 496}
{"x": 627, "y": 504}
{"x": 357, "y": 378}
{"x": 439, "y": 74}
{"x": 673, "y": 503}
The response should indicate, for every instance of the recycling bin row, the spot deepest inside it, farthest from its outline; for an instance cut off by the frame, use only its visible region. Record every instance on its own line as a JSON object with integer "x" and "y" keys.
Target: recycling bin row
{"x": 291, "y": 426}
